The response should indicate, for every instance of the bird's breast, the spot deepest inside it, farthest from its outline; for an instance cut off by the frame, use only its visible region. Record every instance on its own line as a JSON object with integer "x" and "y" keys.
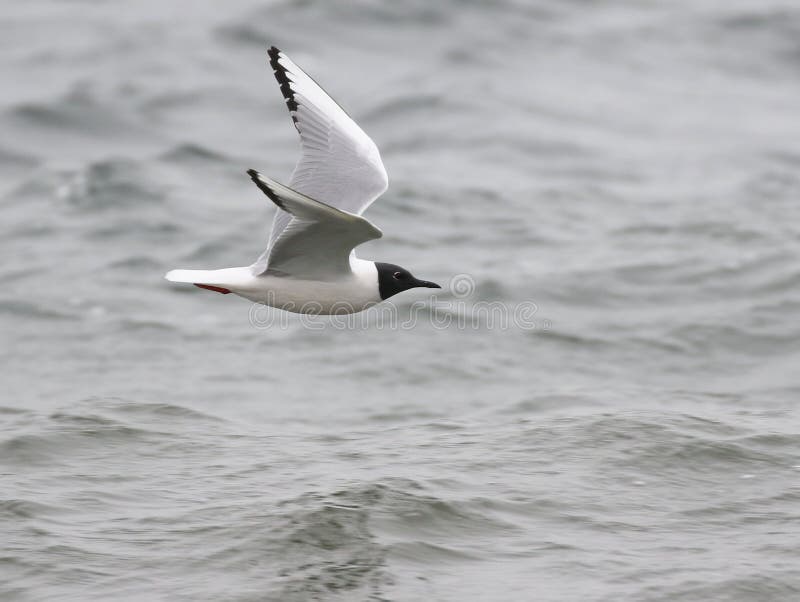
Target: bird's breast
{"x": 316, "y": 297}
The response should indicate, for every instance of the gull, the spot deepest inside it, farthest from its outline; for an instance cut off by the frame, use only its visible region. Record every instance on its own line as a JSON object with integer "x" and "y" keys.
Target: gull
{"x": 310, "y": 265}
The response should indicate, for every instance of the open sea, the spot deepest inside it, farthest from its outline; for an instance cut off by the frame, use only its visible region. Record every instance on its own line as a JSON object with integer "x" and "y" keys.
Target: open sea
{"x": 600, "y": 405}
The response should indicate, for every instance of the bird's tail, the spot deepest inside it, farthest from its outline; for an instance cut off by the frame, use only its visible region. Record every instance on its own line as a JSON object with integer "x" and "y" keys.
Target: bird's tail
{"x": 220, "y": 281}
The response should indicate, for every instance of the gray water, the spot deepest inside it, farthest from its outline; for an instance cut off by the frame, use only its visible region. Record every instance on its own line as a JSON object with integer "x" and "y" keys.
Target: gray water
{"x": 629, "y": 172}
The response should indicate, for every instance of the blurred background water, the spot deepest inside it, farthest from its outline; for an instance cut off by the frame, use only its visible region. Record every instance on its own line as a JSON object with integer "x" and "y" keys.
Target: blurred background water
{"x": 631, "y": 168}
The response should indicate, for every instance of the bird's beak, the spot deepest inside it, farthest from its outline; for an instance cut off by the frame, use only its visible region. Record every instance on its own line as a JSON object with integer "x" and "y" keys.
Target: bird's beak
{"x": 426, "y": 284}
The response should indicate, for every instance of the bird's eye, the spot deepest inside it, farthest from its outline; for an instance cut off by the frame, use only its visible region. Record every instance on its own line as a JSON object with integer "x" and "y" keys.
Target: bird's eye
{"x": 399, "y": 276}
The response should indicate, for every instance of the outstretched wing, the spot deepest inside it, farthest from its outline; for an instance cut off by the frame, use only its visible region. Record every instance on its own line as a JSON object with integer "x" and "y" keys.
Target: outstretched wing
{"x": 340, "y": 165}
{"x": 319, "y": 238}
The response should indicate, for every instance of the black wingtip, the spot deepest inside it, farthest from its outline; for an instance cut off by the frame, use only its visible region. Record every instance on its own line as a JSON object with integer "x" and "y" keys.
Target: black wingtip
{"x": 264, "y": 187}
{"x": 255, "y": 176}
{"x": 283, "y": 80}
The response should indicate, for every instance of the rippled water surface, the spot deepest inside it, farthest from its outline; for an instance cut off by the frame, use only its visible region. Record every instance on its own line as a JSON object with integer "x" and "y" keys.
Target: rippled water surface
{"x": 627, "y": 172}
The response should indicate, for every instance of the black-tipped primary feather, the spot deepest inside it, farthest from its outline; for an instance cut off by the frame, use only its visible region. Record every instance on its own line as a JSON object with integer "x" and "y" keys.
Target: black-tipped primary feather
{"x": 283, "y": 81}
{"x": 264, "y": 187}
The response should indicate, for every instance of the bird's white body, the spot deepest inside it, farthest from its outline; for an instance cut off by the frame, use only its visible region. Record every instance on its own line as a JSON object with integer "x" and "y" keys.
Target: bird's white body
{"x": 341, "y": 295}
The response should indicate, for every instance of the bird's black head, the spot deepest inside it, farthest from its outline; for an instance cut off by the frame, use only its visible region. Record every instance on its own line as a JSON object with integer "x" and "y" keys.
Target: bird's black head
{"x": 393, "y": 279}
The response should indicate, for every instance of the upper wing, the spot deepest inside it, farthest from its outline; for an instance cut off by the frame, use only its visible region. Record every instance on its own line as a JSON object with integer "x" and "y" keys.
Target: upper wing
{"x": 319, "y": 238}
{"x": 340, "y": 165}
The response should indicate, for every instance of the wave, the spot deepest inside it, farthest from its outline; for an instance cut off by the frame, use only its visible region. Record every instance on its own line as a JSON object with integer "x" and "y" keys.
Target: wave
{"x": 32, "y": 310}
{"x": 92, "y": 427}
{"x": 334, "y": 542}
{"x": 78, "y": 112}
{"x": 112, "y": 183}
{"x": 193, "y": 154}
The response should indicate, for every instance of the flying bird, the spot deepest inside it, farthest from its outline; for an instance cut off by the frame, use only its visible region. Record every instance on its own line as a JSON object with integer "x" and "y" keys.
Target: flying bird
{"x": 310, "y": 265}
